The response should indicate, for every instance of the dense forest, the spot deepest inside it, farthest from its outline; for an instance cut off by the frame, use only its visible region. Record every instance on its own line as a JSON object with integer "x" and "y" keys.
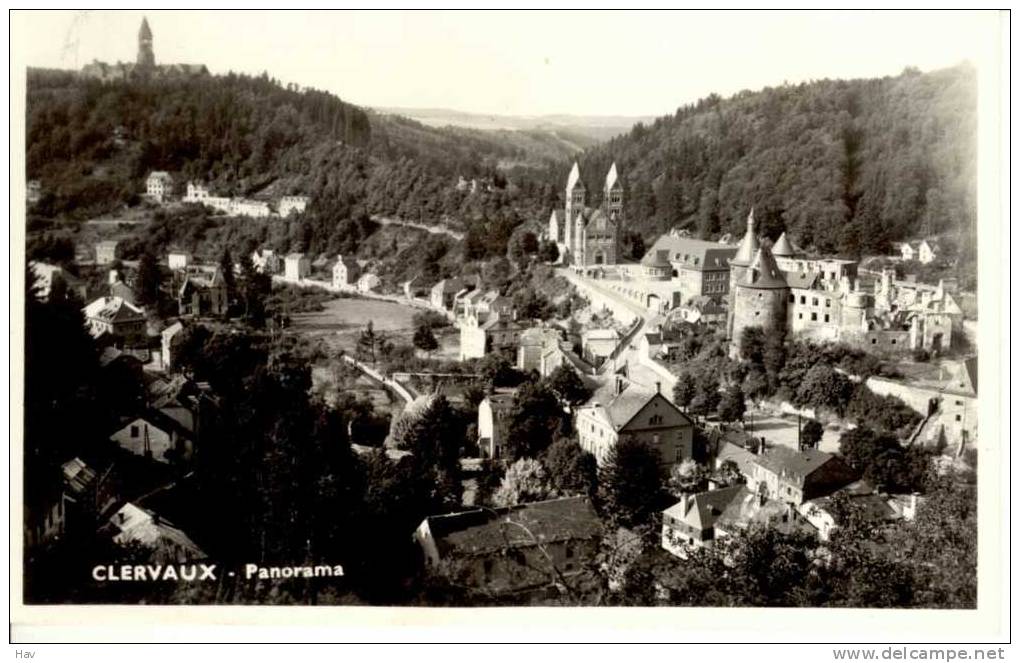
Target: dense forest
{"x": 91, "y": 145}
{"x": 845, "y": 166}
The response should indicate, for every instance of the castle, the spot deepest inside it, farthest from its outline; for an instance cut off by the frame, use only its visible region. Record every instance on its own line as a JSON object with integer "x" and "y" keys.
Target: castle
{"x": 779, "y": 289}
{"x": 144, "y": 66}
{"x": 587, "y": 236}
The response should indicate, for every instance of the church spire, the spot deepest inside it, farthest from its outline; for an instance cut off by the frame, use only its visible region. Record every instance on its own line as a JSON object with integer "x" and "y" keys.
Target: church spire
{"x": 749, "y": 245}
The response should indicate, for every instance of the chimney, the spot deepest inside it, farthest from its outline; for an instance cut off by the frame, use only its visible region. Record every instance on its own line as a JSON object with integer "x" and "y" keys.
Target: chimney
{"x": 658, "y": 387}
{"x": 619, "y": 385}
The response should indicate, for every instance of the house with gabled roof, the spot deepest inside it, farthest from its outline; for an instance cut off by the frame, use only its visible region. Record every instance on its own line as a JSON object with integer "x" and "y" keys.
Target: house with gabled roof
{"x": 623, "y": 409}
{"x": 114, "y": 316}
{"x": 795, "y": 477}
{"x": 512, "y": 549}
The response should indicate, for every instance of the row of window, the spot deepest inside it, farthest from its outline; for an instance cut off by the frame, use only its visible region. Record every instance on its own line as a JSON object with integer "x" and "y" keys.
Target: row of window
{"x": 814, "y": 317}
{"x": 814, "y": 300}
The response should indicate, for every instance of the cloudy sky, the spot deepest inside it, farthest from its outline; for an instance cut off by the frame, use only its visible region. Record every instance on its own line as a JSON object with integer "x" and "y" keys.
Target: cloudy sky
{"x": 586, "y": 63}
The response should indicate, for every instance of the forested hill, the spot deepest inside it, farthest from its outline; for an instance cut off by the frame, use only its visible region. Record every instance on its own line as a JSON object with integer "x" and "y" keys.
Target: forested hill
{"x": 844, "y": 166}
{"x": 91, "y": 145}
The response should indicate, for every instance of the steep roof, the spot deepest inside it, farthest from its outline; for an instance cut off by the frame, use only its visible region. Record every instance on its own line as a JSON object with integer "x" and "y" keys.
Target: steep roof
{"x": 764, "y": 273}
{"x": 701, "y": 510}
{"x": 612, "y": 178}
{"x": 782, "y": 247}
{"x": 801, "y": 280}
{"x": 748, "y": 246}
{"x": 747, "y": 508}
{"x": 522, "y": 525}
{"x": 574, "y": 180}
{"x": 693, "y": 253}
{"x": 794, "y": 466}
{"x": 656, "y": 258}
{"x": 113, "y": 309}
{"x": 144, "y": 32}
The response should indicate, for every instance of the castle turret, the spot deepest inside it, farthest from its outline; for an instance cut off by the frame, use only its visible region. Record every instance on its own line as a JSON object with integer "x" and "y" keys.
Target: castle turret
{"x": 739, "y": 264}
{"x": 782, "y": 248}
{"x": 146, "y": 56}
{"x": 759, "y": 297}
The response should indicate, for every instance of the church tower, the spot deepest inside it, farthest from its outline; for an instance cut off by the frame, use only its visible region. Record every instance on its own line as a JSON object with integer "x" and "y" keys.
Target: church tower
{"x": 613, "y": 195}
{"x": 146, "y": 57}
{"x": 573, "y": 222}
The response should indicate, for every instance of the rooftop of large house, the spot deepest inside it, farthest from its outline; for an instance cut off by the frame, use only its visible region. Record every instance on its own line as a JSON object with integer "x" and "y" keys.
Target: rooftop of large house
{"x": 695, "y": 254}
{"x": 621, "y": 400}
{"x": 489, "y": 530}
{"x": 701, "y": 510}
{"x": 78, "y": 477}
{"x": 797, "y": 466}
{"x": 113, "y": 309}
{"x": 132, "y": 523}
{"x": 746, "y": 508}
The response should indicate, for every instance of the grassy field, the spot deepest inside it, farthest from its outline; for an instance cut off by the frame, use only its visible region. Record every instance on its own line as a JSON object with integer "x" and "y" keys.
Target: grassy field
{"x": 342, "y": 320}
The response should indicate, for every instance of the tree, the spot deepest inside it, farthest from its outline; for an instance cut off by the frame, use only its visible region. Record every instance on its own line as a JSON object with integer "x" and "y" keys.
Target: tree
{"x": 525, "y": 481}
{"x": 823, "y": 386}
{"x": 881, "y": 460}
{"x": 255, "y": 288}
{"x": 367, "y": 344}
{"x": 149, "y": 279}
{"x": 425, "y": 340}
{"x": 548, "y": 251}
{"x": 811, "y": 434}
{"x": 567, "y": 385}
{"x": 732, "y": 405}
{"x": 706, "y": 397}
{"x": 684, "y": 390}
{"x": 572, "y": 470}
{"x": 533, "y": 420}
{"x": 227, "y": 269}
{"x": 630, "y": 483}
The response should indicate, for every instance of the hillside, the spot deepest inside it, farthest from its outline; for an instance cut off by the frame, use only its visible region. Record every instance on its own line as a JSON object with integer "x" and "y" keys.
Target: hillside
{"x": 844, "y": 166}
{"x": 91, "y": 146}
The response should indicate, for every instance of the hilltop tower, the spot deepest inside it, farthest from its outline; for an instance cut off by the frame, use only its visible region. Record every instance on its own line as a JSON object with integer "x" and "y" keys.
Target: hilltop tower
{"x": 759, "y": 298}
{"x": 738, "y": 267}
{"x": 613, "y": 195}
{"x": 146, "y": 56}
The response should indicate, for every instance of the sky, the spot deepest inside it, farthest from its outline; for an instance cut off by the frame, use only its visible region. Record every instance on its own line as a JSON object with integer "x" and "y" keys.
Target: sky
{"x": 519, "y": 63}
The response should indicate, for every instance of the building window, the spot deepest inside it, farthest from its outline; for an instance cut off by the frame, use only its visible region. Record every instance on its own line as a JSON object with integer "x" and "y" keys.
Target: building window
{"x": 826, "y": 317}
{"x": 655, "y": 420}
{"x": 814, "y": 317}
{"x": 893, "y": 341}
{"x": 793, "y": 299}
{"x": 134, "y": 431}
{"x": 874, "y": 341}
{"x": 828, "y": 303}
{"x": 959, "y": 417}
{"x": 800, "y": 316}
{"x": 814, "y": 301}
{"x": 570, "y": 550}
{"x": 803, "y": 299}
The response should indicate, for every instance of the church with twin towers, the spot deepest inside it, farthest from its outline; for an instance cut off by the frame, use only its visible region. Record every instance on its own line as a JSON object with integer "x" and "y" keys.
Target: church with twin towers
{"x": 589, "y": 236}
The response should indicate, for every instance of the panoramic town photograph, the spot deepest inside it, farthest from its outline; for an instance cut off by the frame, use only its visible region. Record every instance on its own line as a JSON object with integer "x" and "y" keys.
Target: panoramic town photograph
{"x": 434, "y": 309}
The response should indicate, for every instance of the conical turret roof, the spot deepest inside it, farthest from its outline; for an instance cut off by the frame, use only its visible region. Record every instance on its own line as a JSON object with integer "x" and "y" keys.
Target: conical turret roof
{"x": 764, "y": 273}
{"x": 748, "y": 246}
{"x": 782, "y": 247}
{"x": 144, "y": 32}
{"x": 612, "y": 178}
{"x": 574, "y": 181}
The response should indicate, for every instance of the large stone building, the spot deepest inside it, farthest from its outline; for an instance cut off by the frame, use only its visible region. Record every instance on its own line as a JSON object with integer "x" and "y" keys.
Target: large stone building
{"x": 622, "y": 409}
{"x": 144, "y": 66}
{"x": 588, "y": 236}
{"x": 821, "y": 299}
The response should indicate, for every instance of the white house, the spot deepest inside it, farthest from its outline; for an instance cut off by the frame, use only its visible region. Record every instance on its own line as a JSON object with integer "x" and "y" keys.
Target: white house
{"x": 266, "y": 261}
{"x": 626, "y": 410}
{"x": 253, "y": 208}
{"x": 114, "y": 316}
{"x": 290, "y": 204}
{"x": 296, "y": 267}
{"x": 196, "y": 193}
{"x": 368, "y": 282}
{"x": 345, "y": 272}
{"x": 159, "y": 185}
{"x": 154, "y": 435}
{"x": 492, "y": 413}
{"x": 178, "y": 259}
